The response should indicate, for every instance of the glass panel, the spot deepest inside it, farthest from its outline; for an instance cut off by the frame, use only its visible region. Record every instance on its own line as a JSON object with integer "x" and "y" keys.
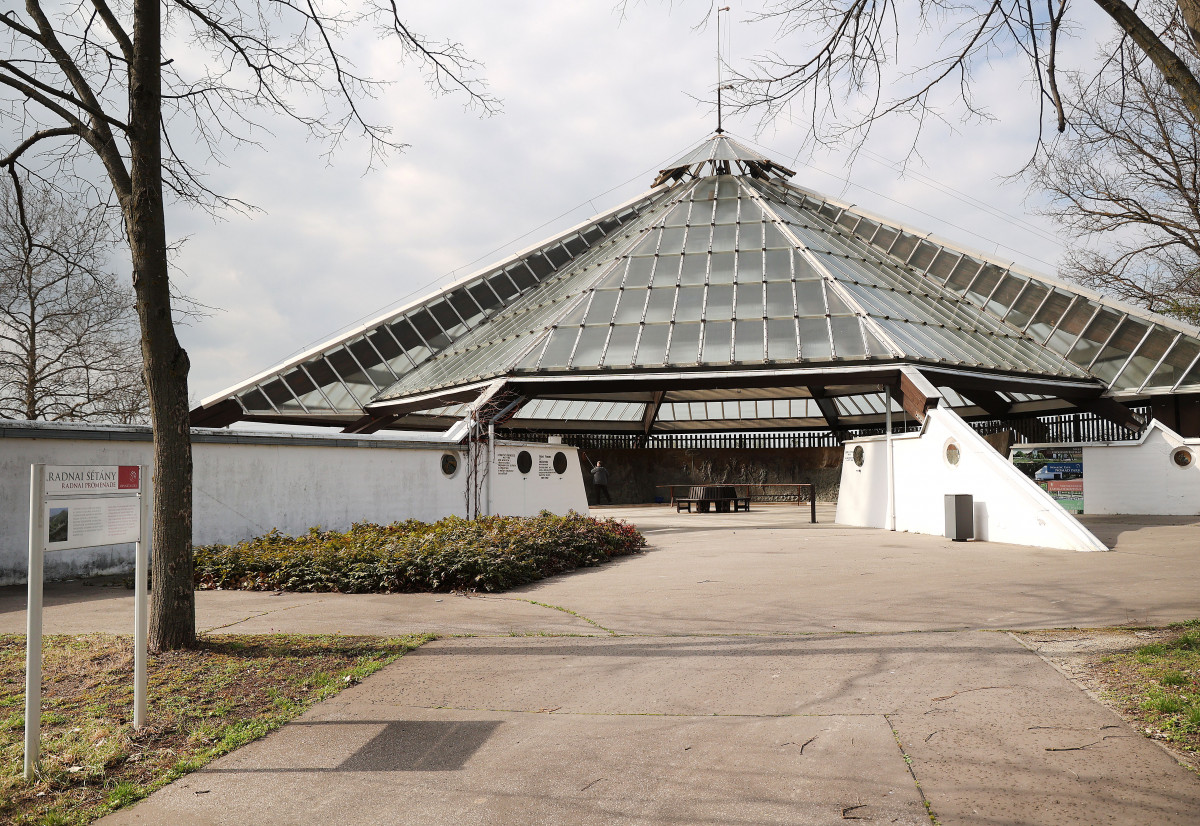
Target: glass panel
{"x": 666, "y": 271}
{"x": 962, "y": 274}
{"x": 698, "y": 238}
{"x": 779, "y": 265}
{"x": 1049, "y": 315}
{"x": 558, "y": 349}
{"x": 847, "y": 337}
{"x": 484, "y": 296}
{"x": 660, "y": 304}
{"x": 810, "y": 299}
{"x": 1026, "y": 305}
{"x": 531, "y": 358}
{"x": 620, "y": 346}
{"x": 749, "y": 266}
{"x": 923, "y": 256}
{"x": 878, "y": 349}
{"x": 638, "y": 273}
{"x": 629, "y": 311}
{"x": 1004, "y": 295}
{"x": 587, "y": 351}
{"x": 814, "y": 339}
{"x": 677, "y": 217}
{"x": 780, "y": 301}
{"x": 387, "y": 347}
{"x": 1071, "y": 326}
{"x": 805, "y": 269}
{"x": 836, "y": 305}
{"x": 750, "y": 301}
{"x": 1172, "y": 368}
{"x": 695, "y": 269}
{"x": 718, "y": 336}
{"x": 279, "y": 393}
{"x": 1145, "y": 359}
{"x": 721, "y": 268}
{"x": 1094, "y": 336}
{"x": 985, "y": 283}
{"x": 943, "y": 264}
{"x": 615, "y": 277}
{"x": 719, "y": 304}
{"x": 465, "y": 307}
{"x": 691, "y": 302}
{"x": 1111, "y": 360}
{"x": 652, "y": 349}
{"x": 773, "y": 238}
{"x": 727, "y": 211}
{"x": 671, "y": 243}
{"x": 748, "y": 345}
{"x": 724, "y": 238}
{"x": 601, "y": 309}
{"x": 685, "y": 344}
{"x": 1193, "y": 377}
{"x": 781, "y": 340}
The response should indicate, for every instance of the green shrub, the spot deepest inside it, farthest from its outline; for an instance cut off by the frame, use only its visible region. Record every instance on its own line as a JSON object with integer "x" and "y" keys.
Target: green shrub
{"x": 492, "y": 553}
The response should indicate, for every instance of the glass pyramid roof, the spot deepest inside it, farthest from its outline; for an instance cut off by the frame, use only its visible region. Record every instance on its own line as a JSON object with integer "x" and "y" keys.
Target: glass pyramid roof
{"x": 726, "y": 266}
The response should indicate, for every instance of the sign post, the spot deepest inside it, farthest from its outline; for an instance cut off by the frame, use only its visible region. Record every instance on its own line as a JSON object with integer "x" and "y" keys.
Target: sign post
{"x": 83, "y": 506}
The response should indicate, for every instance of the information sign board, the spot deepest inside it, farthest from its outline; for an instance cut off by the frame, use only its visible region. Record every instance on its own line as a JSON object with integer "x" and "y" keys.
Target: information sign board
{"x": 83, "y": 506}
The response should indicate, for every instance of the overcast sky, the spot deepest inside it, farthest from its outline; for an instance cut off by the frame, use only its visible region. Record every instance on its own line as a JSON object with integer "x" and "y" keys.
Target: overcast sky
{"x": 592, "y": 106}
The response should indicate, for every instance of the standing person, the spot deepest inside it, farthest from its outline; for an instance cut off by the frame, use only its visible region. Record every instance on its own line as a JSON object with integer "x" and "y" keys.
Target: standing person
{"x": 600, "y": 482}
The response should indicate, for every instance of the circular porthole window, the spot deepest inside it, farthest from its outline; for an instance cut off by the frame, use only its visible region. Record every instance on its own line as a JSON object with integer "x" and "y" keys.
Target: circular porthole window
{"x": 524, "y": 461}
{"x": 953, "y": 454}
{"x": 560, "y": 463}
{"x": 859, "y": 455}
{"x": 1182, "y": 457}
{"x": 449, "y": 464}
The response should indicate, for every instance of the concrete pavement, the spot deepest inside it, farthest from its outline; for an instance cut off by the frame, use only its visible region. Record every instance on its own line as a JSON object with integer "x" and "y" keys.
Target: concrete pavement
{"x": 715, "y": 680}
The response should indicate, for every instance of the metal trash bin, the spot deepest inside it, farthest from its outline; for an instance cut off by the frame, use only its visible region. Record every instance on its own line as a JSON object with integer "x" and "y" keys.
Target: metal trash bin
{"x": 960, "y": 516}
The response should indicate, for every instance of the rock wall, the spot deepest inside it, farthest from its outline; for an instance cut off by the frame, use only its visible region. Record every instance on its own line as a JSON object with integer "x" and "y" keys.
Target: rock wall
{"x": 633, "y": 473}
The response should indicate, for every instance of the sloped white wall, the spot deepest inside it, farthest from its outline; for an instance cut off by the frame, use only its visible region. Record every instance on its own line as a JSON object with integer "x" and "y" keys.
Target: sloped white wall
{"x": 1140, "y": 477}
{"x": 1008, "y": 506}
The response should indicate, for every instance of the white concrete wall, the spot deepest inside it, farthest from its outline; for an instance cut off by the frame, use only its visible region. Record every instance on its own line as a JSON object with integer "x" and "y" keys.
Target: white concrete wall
{"x": 248, "y": 483}
{"x": 1008, "y": 506}
{"x": 1140, "y": 477}
{"x": 542, "y": 488}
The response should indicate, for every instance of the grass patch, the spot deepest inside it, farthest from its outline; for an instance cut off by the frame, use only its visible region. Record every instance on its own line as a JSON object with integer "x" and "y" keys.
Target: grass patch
{"x": 1158, "y": 686}
{"x": 202, "y": 704}
{"x": 490, "y": 554}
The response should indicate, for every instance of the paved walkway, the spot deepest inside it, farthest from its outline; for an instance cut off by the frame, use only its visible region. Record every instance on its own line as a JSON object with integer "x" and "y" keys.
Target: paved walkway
{"x": 714, "y": 679}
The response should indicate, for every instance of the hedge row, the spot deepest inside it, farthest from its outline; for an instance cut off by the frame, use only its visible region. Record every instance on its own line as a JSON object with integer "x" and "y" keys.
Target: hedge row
{"x": 488, "y": 554}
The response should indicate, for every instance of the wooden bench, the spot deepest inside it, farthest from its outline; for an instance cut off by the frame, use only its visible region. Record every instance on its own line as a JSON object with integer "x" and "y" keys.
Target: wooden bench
{"x": 705, "y": 497}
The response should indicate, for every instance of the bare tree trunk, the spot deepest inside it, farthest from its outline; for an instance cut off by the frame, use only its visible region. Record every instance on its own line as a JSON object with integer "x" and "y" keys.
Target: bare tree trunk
{"x": 1174, "y": 70}
{"x": 173, "y": 608}
{"x": 31, "y": 362}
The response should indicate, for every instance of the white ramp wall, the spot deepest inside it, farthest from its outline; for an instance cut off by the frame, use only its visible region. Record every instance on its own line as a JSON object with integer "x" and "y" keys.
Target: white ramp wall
{"x": 1008, "y": 506}
{"x": 246, "y": 483}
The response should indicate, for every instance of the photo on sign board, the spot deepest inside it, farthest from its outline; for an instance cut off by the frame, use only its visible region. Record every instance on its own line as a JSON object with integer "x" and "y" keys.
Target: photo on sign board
{"x": 58, "y": 524}
{"x": 1056, "y": 470}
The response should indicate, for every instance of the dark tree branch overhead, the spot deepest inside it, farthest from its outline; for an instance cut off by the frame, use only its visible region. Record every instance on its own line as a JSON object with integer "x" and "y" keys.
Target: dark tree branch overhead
{"x": 834, "y": 54}
{"x": 87, "y": 80}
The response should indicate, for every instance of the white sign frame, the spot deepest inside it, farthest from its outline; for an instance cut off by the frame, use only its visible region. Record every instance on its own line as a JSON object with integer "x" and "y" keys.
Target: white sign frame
{"x": 101, "y": 493}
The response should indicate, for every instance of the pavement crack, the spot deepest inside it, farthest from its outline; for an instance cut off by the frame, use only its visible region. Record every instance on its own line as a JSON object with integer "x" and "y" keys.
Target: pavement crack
{"x": 593, "y": 783}
{"x": 846, "y": 810}
{"x": 261, "y": 614}
{"x": 908, "y": 761}
{"x": 575, "y": 614}
{"x": 968, "y": 690}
